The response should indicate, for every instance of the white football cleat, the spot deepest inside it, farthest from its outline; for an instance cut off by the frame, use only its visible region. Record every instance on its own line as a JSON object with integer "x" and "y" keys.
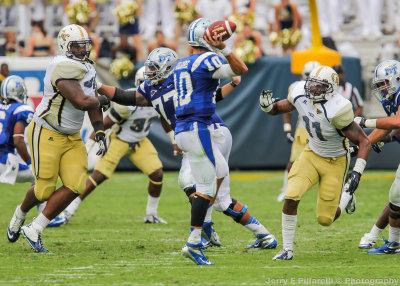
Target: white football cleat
{"x": 13, "y": 230}
{"x": 34, "y": 238}
{"x": 367, "y": 241}
{"x": 153, "y": 219}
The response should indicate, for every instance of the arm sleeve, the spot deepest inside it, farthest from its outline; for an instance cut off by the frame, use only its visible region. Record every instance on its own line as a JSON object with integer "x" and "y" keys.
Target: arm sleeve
{"x": 67, "y": 70}
{"x": 344, "y": 117}
{"x": 225, "y": 71}
{"x": 119, "y": 113}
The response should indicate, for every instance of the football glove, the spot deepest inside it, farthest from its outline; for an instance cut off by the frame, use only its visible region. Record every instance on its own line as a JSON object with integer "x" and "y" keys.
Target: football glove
{"x": 289, "y": 137}
{"x": 100, "y": 139}
{"x": 104, "y": 102}
{"x": 377, "y": 147}
{"x": 266, "y": 100}
{"x": 360, "y": 121}
{"x": 352, "y": 182}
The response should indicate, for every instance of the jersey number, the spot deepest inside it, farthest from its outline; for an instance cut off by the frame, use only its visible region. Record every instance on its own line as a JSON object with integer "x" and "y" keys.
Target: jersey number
{"x": 159, "y": 103}
{"x": 316, "y": 126}
{"x": 185, "y": 88}
{"x": 139, "y": 124}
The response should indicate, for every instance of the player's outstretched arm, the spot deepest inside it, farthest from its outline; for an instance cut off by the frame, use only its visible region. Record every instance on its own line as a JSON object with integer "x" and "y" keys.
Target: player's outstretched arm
{"x": 19, "y": 142}
{"x": 387, "y": 123}
{"x": 71, "y": 90}
{"x": 123, "y": 97}
{"x": 222, "y": 92}
{"x": 272, "y": 105}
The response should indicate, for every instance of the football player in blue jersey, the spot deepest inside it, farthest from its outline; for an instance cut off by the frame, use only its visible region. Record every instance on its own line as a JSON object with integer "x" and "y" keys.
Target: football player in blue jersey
{"x": 15, "y": 115}
{"x": 158, "y": 91}
{"x": 196, "y": 79}
{"x": 386, "y": 86}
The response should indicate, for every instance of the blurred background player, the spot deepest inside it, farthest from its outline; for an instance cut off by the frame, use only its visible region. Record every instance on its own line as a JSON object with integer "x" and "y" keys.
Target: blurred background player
{"x": 54, "y": 135}
{"x": 299, "y": 140}
{"x": 325, "y": 159}
{"x": 130, "y": 125}
{"x": 15, "y": 115}
{"x": 349, "y": 91}
{"x": 386, "y": 86}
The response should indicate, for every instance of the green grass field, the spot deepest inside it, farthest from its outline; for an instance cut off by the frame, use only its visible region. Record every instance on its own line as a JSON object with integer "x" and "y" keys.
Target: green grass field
{"x": 107, "y": 243}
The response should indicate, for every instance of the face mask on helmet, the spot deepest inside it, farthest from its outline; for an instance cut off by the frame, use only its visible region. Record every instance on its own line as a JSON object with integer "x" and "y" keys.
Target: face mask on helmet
{"x": 74, "y": 42}
{"x": 159, "y": 65}
{"x": 386, "y": 82}
{"x": 321, "y": 84}
{"x": 13, "y": 89}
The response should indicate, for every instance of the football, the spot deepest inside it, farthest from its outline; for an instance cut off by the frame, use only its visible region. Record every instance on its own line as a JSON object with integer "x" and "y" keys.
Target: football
{"x": 225, "y": 28}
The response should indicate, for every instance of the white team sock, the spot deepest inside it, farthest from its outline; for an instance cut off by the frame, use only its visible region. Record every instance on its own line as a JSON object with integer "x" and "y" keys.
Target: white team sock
{"x": 195, "y": 236}
{"x": 256, "y": 227}
{"x": 73, "y": 206}
{"x": 40, "y": 223}
{"x": 344, "y": 200}
{"x": 19, "y": 213}
{"x": 375, "y": 232}
{"x": 288, "y": 228}
{"x": 152, "y": 205}
{"x": 394, "y": 233}
{"x": 208, "y": 214}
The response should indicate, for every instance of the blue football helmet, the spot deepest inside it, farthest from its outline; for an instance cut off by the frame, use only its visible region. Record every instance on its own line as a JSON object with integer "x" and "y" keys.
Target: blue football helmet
{"x": 160, "y": 64}
{"x": 14, "y": 88}
{"x": 196, "y": 33}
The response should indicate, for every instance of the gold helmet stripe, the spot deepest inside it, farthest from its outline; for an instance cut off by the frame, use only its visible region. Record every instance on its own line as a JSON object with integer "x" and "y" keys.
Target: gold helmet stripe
{"x": 80, "y": 30}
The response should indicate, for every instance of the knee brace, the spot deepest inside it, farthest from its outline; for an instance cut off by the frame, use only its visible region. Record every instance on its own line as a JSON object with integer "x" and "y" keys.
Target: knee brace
{"x": 189, "y": 191}
{"x": 394, "y": 211}
{"x": 236, "y": 215}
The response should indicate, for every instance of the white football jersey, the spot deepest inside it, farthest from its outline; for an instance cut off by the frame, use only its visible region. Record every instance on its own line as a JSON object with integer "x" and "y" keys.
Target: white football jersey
{"x": 133, "y": 121}
{"x": 55, "y": 112}
{"x": 300, "y": 123}
{"x": 324, "y": 122}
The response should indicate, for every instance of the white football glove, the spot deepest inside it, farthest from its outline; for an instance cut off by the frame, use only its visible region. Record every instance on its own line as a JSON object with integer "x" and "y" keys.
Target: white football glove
{"x": 266, "y": 100}
{"x": 360, "y": 121}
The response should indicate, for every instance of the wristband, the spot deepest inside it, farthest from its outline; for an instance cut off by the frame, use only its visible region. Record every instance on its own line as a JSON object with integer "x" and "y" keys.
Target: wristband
{"x": 233, "y": 84}
{"x": 98, "y": 126}
{"x": 287, "y": 127}
{"x": 171, "y": 136}
{"x": 370, "y": 123}
{"x": 359, "y": 165}
{"x": 226, "y": 51}
{"x": 218, "y": 95}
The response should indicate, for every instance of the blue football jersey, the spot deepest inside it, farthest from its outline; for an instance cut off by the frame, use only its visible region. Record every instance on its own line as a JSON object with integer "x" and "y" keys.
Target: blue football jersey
{"x": 163, "y": 99}
{"x": 196, "y": 89}
{"x": 10, "y": 114}
{"x": 391, "y": 106}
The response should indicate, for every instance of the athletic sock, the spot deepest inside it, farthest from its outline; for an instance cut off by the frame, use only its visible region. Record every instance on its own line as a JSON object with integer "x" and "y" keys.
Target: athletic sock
{"x": 194, "y": 236}
{"x": 152, "y": 205}
{"x": 288, "y": 228}
{"x": 208, "y": 214}
{"x": 344, "y": 200}
{"x": 255, "y": 226}
{"x": 375, "y": 232}
{"x": 19, "y": 213}
{"x": 73, "y": 206}
{"x": 394, "y": 234}
{"x": 40, "y": 223}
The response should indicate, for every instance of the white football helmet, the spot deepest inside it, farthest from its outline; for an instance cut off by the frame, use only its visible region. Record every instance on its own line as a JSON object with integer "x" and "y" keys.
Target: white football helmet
{"x": 160, "y": 64}
{"x": 74, "y": 42}
{"x": 386, "y": 81}
{"x": 308, "y": 67}
{"x": 139, "y": 76}
{"x": 14, "y": 88}
{"x": 196, "y": 33}
{"x": 322, "y": 84}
